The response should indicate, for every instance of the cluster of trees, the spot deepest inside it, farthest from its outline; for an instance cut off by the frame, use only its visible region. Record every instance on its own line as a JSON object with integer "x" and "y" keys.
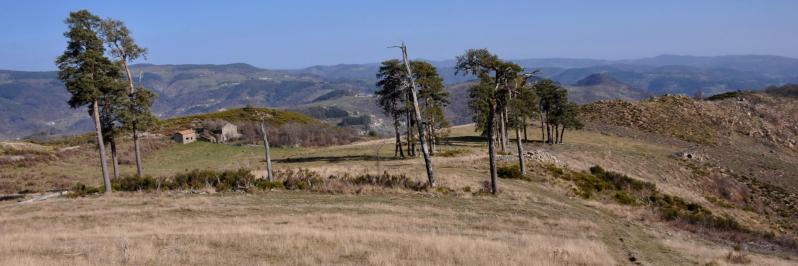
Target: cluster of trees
{"x": 505, "y": 98}
{"x": 399, "y": 93}
{"x": 394, "y": 96}
{"x": 94, "y": 68}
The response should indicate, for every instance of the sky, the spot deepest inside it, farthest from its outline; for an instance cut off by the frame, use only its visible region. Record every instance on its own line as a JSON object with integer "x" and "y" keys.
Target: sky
{"x": 296, "y": 34}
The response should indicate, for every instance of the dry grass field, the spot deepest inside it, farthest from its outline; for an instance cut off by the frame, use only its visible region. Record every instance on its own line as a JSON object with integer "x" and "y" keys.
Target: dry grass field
{"x": 529, "y": 223}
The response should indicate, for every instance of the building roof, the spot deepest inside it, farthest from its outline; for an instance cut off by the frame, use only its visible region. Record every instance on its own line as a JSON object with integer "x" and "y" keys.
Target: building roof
{"x": 185, "y": 132}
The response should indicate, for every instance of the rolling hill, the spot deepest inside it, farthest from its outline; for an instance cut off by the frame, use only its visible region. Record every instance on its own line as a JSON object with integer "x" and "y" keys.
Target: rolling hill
{"x": 35, "y": 102}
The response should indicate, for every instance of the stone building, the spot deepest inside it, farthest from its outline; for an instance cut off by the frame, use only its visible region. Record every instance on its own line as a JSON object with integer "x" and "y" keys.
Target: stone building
{"x": 185, "y": 136}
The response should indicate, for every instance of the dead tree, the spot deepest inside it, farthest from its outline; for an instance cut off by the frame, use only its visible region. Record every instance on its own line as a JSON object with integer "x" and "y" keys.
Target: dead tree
{"x": 420, "y": 123}
{"x": 264, "y": 134}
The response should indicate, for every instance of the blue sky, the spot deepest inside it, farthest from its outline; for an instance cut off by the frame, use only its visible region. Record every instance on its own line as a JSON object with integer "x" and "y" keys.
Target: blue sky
{"x": 294, "y": 34}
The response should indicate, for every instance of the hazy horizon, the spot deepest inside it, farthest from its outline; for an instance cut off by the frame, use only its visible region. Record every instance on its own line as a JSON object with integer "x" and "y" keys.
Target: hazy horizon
{"x": 277, "y": 35}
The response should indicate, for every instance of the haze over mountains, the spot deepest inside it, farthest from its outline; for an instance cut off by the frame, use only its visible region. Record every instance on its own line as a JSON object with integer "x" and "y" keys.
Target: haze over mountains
{"x": 35, "y": 102}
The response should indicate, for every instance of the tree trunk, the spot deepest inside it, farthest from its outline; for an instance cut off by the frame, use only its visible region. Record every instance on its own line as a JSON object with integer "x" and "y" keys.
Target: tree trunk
{"x": 398, "y": 147}
{"x": 562, "y": 133}
{"x": 523, "y": 123}
{"x": 520, "y": 150}
{"x": 137, "y": 150}
{"x": 557, "y": 133}
{"x": 492, "y": 149}
{"x": 431, "y": 136}
{"x": 424, "y": 150}
{"x": 114, "y": 158}
{"x": 542, "y": 131}
{"x": 503, "y": 140}
{"x": 269, "y": 175}
{"x": 548, "y": 133}
{"x": 136, "y": 147}
{"x": 101, "y": 145}
{"x": 409, "y": 135}
{"x": 506, "y": 131}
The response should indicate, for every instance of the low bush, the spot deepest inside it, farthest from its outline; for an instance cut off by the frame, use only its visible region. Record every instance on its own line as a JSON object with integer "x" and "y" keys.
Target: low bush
{"x": 223, "y": 181}
{"x": 621, "y": 181}
{"x": 511, "y": 172}
{"x": 135, "y": 183}
{"x": 629, "y": 191}
{"x": 264, "y": 184}
{"x": 451, "y": 153}
{"x": 80, "y": 190}
{"x": 725, "y": 95}
{"x": 623, "y": 198}
{"x": 387, "y": 180}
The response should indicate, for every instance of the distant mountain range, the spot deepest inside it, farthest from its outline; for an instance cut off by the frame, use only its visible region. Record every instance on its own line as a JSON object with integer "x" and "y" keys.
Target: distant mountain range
{"x": 35, "y": 102}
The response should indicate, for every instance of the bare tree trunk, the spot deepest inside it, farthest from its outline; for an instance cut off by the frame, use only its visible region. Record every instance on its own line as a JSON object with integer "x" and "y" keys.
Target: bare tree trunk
{"x": 101, "y": 145}
{"x": 542, "y": 131}
{"x": 137, "y": 150}
{"x": 556, "y": 133}
{"x": 398, "y": 147}
{"x": 523, "y": 122}
{"x": 269, "y": 175}
{"x": 114, "y": 158}
{"x": 503, "y": 140}
{"x": 548, "y": 133}
{"x": 409, "y": 135}
{"x": 421, "y": 137}
{"x": 431, "y": 136}
{"x": 506, "y": 122}
{"x": 136, "y": 147}
{"x": 492, "y": 149}
{"x": 520, "y": 150}
{"x": 562, "y": 133}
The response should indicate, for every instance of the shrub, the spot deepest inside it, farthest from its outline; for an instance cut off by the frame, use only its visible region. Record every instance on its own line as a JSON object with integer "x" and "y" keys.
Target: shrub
{"x": 451, "y": 153}
{"x": 80, "y": 190}
{"x": 134, "y": 183}
{"x": 623, "y": 198}
{"x": 725, "y": 95}
{"x": 264, "y": 184}
{"x": 299, "y": 179}
{"x": 621, "y": 181}
{"x": 511, "y": 172}
{"x": 388, "y": 181}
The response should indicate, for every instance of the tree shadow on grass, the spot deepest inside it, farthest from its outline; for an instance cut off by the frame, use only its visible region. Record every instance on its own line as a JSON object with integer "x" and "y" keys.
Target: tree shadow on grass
{"x": 335, "y": 159}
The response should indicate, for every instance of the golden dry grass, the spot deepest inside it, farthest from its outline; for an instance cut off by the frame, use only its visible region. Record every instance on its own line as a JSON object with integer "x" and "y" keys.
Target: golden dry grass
{"x": 529, "y": 223}
{"x": 287, "y": 228}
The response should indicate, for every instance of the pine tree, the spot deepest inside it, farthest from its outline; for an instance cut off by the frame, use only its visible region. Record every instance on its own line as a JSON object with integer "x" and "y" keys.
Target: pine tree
{"x": 124, "y": 49}
{"x": 489, "y": 96}
{"x": 87, "y": 74}
{"x": 391, "y": 96}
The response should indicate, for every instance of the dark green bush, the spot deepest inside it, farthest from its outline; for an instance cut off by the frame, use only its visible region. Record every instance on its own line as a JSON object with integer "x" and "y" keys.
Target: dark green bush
{"x": 451, "y": 153}
{"x": 725, "y": 95}
{"x": 80, "y": 190}
{"x": 222, "y": 181}
{"x": 134, "y": 183}
{"x": 264, "y": 184}
{"x": 621, "y": 181}
{"x": 623, "y": 198}
{"x": 387, "y": 180}
{"x": 511, "y": 172}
